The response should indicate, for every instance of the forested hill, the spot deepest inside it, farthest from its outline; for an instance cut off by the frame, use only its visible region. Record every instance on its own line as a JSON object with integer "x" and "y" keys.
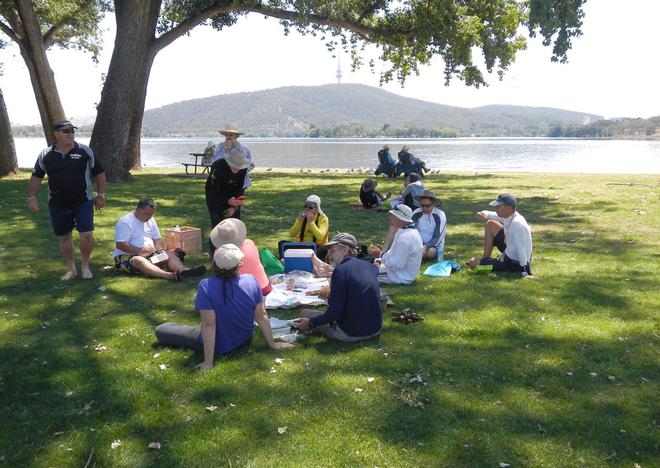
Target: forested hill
{"x": 348, "y": 110}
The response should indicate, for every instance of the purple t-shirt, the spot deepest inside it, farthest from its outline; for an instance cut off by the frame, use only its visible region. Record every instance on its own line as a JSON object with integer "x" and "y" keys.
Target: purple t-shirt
{"x": 233, "y": 302}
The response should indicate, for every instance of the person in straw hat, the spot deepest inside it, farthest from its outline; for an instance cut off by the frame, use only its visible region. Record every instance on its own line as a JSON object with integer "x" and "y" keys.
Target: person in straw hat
{"x": 431, "y": 222}
{"x": 225, "y": 185}
{"x": 231, "y": 134}
{"x": 229, "y": 303}
{"x": 233, "y": 231}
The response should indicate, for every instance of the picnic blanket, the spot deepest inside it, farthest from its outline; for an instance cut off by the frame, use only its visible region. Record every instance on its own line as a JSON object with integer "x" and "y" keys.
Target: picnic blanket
{"x": 376, "y": 209}
{"x": 281, "y": 298}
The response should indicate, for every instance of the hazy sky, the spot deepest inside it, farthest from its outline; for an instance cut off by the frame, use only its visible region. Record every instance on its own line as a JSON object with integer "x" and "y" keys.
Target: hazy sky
{"x": 613, "y": 68}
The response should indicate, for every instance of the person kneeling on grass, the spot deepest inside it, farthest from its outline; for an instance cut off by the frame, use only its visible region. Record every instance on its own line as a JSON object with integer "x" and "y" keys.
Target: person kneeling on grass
{"x": 353, "y": 312}
{"x": 138, "y": 241}
{"x": 507, "y": 230}
{"x": 229, "y": 304}
{"x": 369, "y": 196}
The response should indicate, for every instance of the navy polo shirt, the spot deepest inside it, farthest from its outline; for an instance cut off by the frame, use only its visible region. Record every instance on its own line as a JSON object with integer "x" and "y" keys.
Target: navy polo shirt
{"x": 69, "y": 175}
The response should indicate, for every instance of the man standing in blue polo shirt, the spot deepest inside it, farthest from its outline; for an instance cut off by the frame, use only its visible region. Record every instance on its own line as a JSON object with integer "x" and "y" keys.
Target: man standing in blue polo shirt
{"x": 353, "y": 312}
{"x": 70, "y": 167}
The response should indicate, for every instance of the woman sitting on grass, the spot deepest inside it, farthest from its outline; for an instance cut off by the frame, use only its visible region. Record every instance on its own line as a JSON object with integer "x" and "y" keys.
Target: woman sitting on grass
{"x": 369, "y": 196}
{"x": 311, "y": 225}
{"x": 229, "y": 305}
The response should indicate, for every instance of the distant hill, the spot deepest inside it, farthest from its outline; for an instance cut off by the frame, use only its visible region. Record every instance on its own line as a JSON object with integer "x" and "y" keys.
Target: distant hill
{"x": 293, "y": 110}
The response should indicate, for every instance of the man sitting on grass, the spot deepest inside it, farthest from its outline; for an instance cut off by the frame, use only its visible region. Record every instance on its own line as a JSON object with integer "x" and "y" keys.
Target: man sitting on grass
{"x": 353, "y": 312}
{"x": 507, "y": 230}
{"x": 401, "y": 255}
{"x": 137, "y": 241}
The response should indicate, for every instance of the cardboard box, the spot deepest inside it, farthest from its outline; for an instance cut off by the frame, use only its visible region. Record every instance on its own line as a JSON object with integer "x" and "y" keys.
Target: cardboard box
{"x": 187, "y": 238}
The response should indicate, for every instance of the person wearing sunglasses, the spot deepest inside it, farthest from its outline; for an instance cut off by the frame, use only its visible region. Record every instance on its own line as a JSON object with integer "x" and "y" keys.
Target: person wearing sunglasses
{"x": 311, "y": 225}
{"x": 71, "y": 167}
{"x": 431, "y": 222}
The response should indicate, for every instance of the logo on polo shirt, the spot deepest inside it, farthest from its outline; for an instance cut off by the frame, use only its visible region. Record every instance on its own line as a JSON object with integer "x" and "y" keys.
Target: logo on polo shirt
{"x": 75, "y": 155}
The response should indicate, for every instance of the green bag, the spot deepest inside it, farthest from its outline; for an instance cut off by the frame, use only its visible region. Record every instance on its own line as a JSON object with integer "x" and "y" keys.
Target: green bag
{"x": 270, "y": 263}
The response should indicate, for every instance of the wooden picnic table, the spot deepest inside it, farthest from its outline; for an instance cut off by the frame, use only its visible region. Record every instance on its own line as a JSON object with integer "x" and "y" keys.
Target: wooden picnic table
{"x": 205, "y": 167}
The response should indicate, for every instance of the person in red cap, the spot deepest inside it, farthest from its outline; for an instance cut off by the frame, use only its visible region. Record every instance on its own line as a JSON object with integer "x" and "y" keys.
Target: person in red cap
{"x": 71, "y": 167}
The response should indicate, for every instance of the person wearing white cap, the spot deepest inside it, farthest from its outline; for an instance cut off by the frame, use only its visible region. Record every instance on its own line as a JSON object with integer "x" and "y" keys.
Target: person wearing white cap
{"x": 399, "y": 264}
{"x": 507, "y": 230}
{"x": 233, "y": 231}
{"x": 229, "y": 304}
{"x": 225, "y": 185}
{"x": 312, "y": 225}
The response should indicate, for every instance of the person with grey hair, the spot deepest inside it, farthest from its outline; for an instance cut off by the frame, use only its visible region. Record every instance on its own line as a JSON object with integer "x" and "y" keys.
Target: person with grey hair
{"x": 353, "y": 312}
{"x": 229, "y": 303}
{"x": 507, "y": 230}
{"x": 138, "y": 245}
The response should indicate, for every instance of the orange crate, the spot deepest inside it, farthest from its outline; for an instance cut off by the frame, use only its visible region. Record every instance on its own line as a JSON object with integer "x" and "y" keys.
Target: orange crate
{"x": 187, "y": 238}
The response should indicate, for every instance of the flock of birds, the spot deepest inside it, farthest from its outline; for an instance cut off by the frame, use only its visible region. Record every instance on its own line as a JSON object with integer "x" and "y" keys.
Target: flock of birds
{"x": 360, "y": 170}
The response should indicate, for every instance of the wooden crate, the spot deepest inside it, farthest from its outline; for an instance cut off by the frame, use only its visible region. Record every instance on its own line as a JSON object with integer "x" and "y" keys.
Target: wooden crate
{"x": 187, "y": 238}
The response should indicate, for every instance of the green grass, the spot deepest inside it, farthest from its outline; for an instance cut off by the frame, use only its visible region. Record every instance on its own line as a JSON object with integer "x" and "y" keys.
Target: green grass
{"x": 562, "y": 371}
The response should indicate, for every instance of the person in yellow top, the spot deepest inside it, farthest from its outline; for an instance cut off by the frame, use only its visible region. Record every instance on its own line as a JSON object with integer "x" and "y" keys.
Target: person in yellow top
{"x": 311, "y": 226}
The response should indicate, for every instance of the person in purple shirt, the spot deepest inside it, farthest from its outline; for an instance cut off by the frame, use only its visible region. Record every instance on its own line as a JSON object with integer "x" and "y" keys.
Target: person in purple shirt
{"x": 229, "y": 304}
{"x": 353, "y": 312}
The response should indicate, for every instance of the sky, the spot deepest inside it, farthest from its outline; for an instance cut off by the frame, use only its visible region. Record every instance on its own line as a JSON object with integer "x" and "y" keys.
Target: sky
{"x": 613, "y": 69}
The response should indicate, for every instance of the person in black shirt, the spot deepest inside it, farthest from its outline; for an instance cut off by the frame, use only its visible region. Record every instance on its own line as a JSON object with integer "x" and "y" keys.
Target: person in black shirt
{"x": 369, "y": 196}
{"x": 70, "y": 167}
{"x": 225, "y": 185}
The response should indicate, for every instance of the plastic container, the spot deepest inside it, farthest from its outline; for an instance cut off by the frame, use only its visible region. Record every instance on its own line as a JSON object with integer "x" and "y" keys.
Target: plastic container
{"x": 298, "y": 259}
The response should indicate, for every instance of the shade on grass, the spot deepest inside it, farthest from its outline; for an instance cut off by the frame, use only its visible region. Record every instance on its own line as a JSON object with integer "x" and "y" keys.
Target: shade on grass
{"x": 562, "y": 371}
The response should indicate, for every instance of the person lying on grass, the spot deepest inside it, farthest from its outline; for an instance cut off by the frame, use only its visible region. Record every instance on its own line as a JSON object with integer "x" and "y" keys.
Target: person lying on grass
{"x": 353, "y": 312}
{"x": 229, "y": 304}
{"x": 507, "y": 230}
{"x": 139, "y": 246}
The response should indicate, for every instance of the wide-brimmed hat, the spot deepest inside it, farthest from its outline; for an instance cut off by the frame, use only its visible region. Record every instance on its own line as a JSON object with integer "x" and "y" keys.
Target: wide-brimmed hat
{"x": 504, "y": 199}
{"x": 227, "y": 256}
{"x": 239, "y": 157}
{"x": 369, "y": 184}
{"x": 229, "y": 128}
{"x": 431, "y": 196}
{"x": 403, "y": 212}
{"x": 343, "y": 238}
{"x": 63, "y": 125}
{"x": 228, "y": 231}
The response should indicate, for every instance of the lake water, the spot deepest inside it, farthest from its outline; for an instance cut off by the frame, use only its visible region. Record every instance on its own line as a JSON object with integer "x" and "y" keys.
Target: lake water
{"x": 447, "y": 155}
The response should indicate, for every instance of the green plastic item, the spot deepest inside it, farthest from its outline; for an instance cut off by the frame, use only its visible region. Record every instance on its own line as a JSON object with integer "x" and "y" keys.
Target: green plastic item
{"x": 483, "y": 269}
{"x": 270, "y": 263}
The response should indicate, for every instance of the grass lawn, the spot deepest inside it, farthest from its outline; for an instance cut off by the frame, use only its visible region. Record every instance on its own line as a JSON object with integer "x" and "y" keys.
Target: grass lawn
{"x": 562, "y": 371}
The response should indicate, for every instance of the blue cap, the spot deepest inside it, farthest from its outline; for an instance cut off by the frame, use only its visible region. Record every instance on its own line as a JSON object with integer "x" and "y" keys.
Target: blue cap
{"x": 504, "y": 199}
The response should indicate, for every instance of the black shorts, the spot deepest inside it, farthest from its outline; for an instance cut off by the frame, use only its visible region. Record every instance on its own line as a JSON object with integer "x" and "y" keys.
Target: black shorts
{"x": 498, "y": 241}
{"x": 64, "y": 220}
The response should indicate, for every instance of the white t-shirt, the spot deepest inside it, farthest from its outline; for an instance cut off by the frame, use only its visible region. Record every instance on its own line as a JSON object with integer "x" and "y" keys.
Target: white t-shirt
{"x": 136, "y": 233}
{"x": 517, "y": 236}
{"x": 402, "y": 261}
{"x": 432, "y": 227}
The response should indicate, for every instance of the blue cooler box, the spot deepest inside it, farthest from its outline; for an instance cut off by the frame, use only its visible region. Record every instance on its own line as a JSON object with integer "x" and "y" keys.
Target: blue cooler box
{"x": 298, "y": 259}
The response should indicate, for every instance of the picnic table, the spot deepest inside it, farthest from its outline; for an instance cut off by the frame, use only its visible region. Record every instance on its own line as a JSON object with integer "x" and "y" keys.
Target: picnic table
{"x": 205, "y": 167}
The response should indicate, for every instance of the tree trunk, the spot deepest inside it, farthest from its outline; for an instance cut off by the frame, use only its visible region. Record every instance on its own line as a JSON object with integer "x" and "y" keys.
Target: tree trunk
{"x": 8, "y": 161}
{"x": 33, "y": 51}
{"x": 116, "y": 134}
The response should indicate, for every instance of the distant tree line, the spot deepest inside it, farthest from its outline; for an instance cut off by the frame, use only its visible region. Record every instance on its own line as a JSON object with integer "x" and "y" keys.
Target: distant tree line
{"x": 615, "y": 128}
{"x": 355, "y": 130}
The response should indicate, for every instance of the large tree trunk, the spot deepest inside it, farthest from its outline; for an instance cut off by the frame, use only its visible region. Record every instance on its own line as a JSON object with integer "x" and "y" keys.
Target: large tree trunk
{"x": 8, "y": 161}
{"x": 33, "y": 51}
{"x": 116, "y": 134}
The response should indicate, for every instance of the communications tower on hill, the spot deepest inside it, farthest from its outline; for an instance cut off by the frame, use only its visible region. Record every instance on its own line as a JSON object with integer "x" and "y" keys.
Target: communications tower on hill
{"x": 338, "y": 70}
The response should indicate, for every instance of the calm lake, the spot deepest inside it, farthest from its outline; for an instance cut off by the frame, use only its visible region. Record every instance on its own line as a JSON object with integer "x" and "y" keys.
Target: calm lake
{"x": 447, "y": 155}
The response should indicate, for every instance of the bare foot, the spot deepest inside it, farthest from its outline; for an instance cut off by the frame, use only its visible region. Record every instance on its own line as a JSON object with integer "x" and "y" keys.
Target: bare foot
{"x": 86, "y": 273}
{"x": 474, "y": 261}
{"x": 69, "y": 275}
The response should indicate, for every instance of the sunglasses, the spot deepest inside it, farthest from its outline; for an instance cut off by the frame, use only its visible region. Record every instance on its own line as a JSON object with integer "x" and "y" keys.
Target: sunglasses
{"x": 426, "y": 205}
{"x": 310, "y": 207}
{"x": 68, "y": 130}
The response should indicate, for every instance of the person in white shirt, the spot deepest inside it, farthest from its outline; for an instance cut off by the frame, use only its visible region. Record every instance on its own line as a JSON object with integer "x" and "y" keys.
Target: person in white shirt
{"x": 137, "y": 240}
{"x": 431, "y": 222}
{"x": 507, "y": 230}
{"x": 399, "y": 264}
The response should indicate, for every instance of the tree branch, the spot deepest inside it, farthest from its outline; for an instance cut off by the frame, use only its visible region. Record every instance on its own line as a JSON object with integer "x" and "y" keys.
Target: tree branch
{"x": 49, "y": 35}
{"x": 5, "y": 28}
{"x": 186, "y": 26}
